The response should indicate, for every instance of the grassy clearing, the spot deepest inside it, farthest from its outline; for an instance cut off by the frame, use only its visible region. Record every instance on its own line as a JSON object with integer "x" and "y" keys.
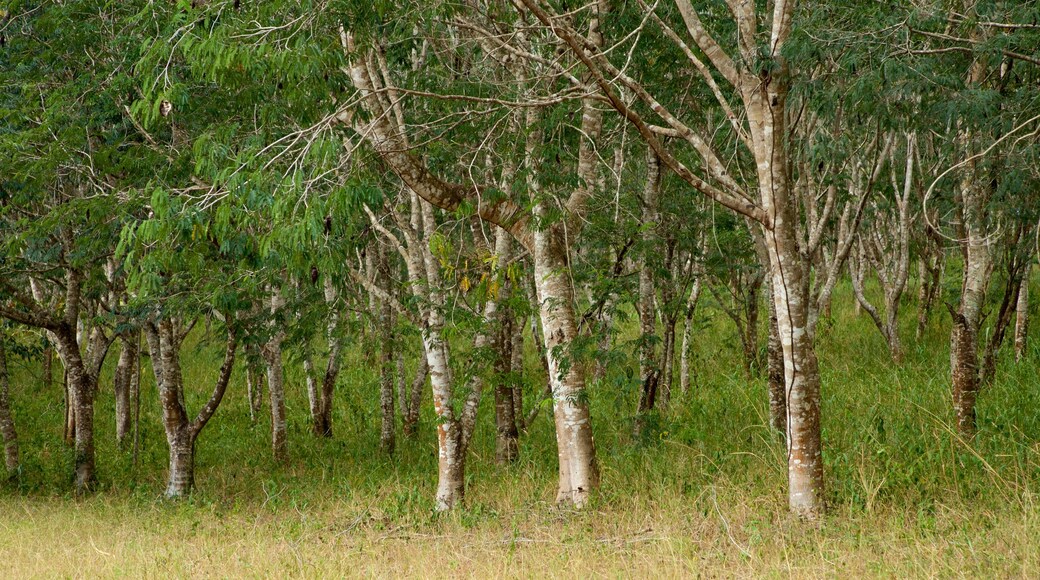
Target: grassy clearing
{"x": 705, "y": 494}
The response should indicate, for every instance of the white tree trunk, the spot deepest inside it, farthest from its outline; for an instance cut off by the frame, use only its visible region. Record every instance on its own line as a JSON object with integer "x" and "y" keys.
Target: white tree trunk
{"x": 1022, "y": 316}
{"x": 579, "y": 473}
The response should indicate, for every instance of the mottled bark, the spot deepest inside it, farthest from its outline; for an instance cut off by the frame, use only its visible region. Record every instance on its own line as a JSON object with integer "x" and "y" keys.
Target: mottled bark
{"x": 669, "y": 319}
{"x": 7, "y": 429}
{"x": 685, "y": 370}
{"x": 122, "y": 381}
{"x": 775, "y": 372}
{"x": 579, "y": 472}
{"x": 649, "y": 370}
{"x": 181, "y": 478}
{"x": 790, "y": 280}
{"x": 516, "y": 369}
{"x": 410, "y": 421}
{"x": 272, "y": 353}
{"x": 165, "y": 338}
{"x": 1022, "y": 317}
{"x": 506, "y": 432}
{"x": 387, "y": 430}
{"x": 69, "y": 425}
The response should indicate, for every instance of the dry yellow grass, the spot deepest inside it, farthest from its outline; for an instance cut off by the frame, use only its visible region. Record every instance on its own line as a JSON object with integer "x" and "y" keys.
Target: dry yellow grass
{"x": 105, "y": 537}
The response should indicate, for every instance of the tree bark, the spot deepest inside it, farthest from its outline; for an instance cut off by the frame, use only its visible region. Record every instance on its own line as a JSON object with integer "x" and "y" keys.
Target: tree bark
{"x": 507, "y": 448}
{"x": 775, "y": 372}
{"x": 7, "y": 429}
{"x": 254, "y": 382}
{"x": 387, "y": 429}
{"x": 165, "y": 338}
{"x": 579, "y": 472}
{"x": 1022, "y": 316}
{"x": 791, "y": 299}
{"x": 649, "y": 370}
{"x": 272, "y": 353}
{"x": 123, "y": 378}
{"x": 410, "y": 422}
{"x": 685, "y": 370}
{"x": 82, "y": 387}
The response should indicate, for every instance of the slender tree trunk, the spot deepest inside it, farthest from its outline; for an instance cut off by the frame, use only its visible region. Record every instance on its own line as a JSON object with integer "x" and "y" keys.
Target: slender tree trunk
{"x": 276, "y": 392}
{"x": 313, "y": 394}
{"x": 667, "y": 360}
{"x": 929, "y": 293}
{"x": 7, "y": 430}
{"x": 123, "y": 377}
{"x": 507, "y": 439}
{"x": 254, "y": 384}
{"x": 775, "y": 372}
{"x": 684, "y": 355}
{"x": 70, "y": 412}
{"x": 386, "y": 382}
{"x": 507, "y": 434}
{"x": 516, "y": 368}
{"x": 649, "y": 370}
{"x": 579, "y": 472}
{"x": 669, "y": 318}
{"x": 328, "y": 387}
{"x": 400, "y": 375}
{"x": 410, "y": 423}
{"x": 1008, "y": 305}
{"x": 1022, "y": 316}
{"x": 272, "y": 352}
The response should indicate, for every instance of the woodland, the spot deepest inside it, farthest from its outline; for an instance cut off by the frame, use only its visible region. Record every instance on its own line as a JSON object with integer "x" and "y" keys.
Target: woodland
{"x": 519, "y": 288}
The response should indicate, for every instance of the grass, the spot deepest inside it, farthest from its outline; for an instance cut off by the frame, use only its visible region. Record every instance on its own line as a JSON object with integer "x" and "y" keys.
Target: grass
{"x": 704, "y": 494}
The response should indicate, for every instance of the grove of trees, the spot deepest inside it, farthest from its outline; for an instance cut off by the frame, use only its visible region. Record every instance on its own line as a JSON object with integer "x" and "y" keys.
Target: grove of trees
{"x": 522, "y": 192}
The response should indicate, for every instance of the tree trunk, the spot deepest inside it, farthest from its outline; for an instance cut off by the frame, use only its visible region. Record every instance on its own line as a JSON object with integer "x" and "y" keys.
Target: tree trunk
{"x": 70, "y": 413}
{"x": 164, "y": 342}
{"x": 386, "y": 382}
{"x": 272, "y": 353}
{"x": 276, "y": 392}
{"x": 313, "y": 393}
{"x": 451, "y": 456}
{"x": 181, "y": 479}
{"x": 1022, "y": 316}
{"x": 83, "y": 388}
{"x": 669, "y": 318}
{"x": 328, "y": 387}
{"x": 516, "y": 369}
{"x": 254, "y": 386}
{"x": 507, "y": 448}
{"x": 579, "y": 472}
{"x": 775, "y": 371}
{"x": 649, "y": 370}
{"x": 791, "y": 297}
{"x": 684, "y": 355}
{"x": 7, "y": 430}
{"x": 410, "y": 422}
{"x": 123, "y": 377}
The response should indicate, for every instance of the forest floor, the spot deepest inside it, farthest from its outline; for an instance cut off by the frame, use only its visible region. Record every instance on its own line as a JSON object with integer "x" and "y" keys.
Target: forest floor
{"x": 702, "y": 494}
